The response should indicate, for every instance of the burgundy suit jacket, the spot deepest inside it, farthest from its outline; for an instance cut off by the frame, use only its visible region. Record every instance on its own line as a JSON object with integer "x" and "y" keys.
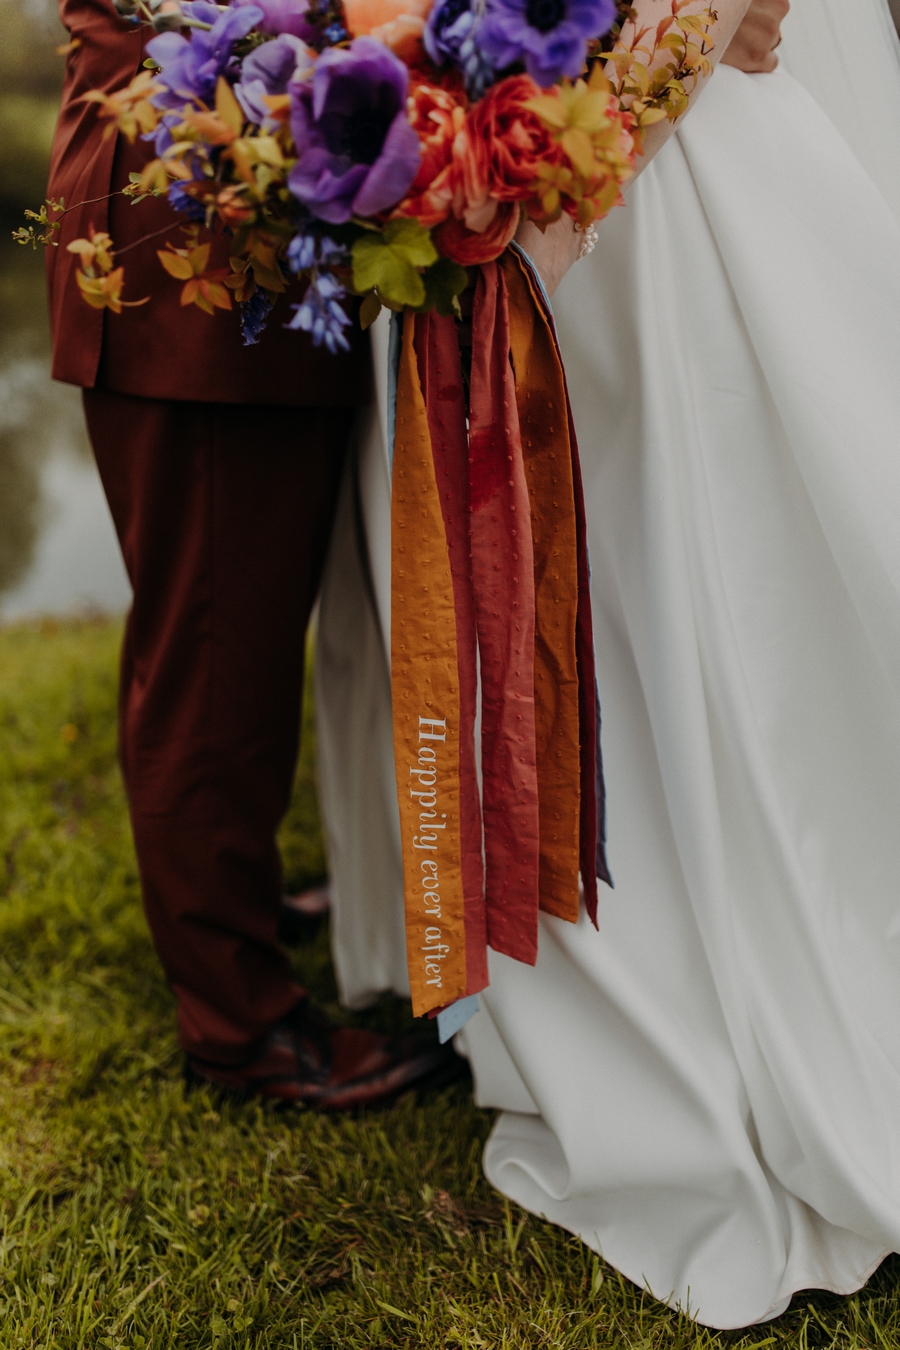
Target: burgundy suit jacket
{"x": 161, "y": 350}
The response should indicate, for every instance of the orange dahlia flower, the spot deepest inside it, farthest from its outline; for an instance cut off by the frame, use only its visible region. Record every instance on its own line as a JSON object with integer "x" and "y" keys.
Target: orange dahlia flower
{"x": 510, "y": 140}
{"x": 438, "y": 117}
{"x": 496, "y": 154}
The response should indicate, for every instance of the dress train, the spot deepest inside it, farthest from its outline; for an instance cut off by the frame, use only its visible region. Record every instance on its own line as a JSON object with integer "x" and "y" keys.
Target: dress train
{"x": 707, "y": 1090}
{"x": 716, "y": 1073}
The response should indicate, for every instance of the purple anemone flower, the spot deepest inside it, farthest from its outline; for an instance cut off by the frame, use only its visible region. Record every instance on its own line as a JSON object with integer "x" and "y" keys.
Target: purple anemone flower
{"x": 549, "y": 36}
{"x": 269, "y": 69}
{"x": 357, "y": 153}
{"x": 190, "y": 67}
{"x": 282, "y": 16}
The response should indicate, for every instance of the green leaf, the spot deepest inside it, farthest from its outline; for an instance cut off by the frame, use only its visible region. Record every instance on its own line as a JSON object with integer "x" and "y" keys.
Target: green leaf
{"x": 408, "y": 237}
{"x": 390, "y": 262}
{"x": 377, "y": 264}
{"x": 445, "y": 281}
{"x": 369, "y": 310}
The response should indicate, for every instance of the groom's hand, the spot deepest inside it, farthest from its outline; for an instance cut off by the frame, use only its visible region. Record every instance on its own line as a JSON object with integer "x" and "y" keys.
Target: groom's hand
{"x": 753, "y": 46}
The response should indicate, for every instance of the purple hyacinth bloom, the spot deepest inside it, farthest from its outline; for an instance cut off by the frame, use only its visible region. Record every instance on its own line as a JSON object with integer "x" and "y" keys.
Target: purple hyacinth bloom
{"x": 190, "y": 67}
{"x": 268, "y": 70}
{"x": 357, "y": 153}
{"x": 549, "y": 36}
{"x": 184, "y": 203}
{"x": 451, "y": 34}
{"x": 282, "y": 16}
{"x": 322, "y": 315}
{"x": 308, "y": 250}
{"x": 254, "y": 313}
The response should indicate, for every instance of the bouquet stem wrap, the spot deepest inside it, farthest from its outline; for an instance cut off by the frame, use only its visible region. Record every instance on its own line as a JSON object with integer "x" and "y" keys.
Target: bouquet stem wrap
{"x": 490, "y": 577}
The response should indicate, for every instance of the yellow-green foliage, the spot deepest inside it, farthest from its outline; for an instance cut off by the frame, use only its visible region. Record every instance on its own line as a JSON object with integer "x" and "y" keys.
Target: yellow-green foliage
{"x": 134, "y": 1215}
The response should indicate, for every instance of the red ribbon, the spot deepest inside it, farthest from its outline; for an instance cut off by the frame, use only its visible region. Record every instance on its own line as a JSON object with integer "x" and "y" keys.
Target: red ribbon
{"x": 497, "y": 535}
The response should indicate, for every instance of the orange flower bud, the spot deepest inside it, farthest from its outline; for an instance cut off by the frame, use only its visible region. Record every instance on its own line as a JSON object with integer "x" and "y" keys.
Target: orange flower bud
{"x": 233, "y": 207}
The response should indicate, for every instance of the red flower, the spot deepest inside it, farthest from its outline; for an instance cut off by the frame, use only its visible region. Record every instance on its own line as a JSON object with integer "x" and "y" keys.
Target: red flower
{"x": 510, "y": 140}
{"x": 477, "y": 166}
{"x": 496, "y": 155}
{"x": 470, "y": 247}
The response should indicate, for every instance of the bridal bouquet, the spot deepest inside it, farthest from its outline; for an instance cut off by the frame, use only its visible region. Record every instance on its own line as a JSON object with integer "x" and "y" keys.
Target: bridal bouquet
{"x": 378, "y": 147}
{"x": 388, "y": 149}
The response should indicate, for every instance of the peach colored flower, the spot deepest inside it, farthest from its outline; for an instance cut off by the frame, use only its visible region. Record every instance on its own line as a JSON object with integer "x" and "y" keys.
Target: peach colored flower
{"x": 437, "y": 117}
{"x": 473, "y": 202}
{"x": 364, "y": 16}
{"x": 404, "y": 37}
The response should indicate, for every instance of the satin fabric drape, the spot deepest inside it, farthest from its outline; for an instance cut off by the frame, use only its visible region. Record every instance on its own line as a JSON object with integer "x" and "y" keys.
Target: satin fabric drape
{"x": 721, "y": 1122}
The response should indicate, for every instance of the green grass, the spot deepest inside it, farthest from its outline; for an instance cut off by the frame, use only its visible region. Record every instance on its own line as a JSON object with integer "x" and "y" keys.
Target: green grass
{"x": 135, "y": 1215}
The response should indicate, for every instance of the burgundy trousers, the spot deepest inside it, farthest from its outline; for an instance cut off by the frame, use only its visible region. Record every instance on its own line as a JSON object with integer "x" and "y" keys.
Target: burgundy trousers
{"x": 224, "y": 514}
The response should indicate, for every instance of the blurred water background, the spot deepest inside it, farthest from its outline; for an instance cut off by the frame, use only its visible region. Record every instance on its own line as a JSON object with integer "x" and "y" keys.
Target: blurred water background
{"x": 58, "y": 551}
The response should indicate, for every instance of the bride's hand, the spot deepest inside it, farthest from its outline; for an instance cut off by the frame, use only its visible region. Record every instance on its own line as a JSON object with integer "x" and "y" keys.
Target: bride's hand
{"x": 553, "y": 250}
{"x": 753, "y": 46}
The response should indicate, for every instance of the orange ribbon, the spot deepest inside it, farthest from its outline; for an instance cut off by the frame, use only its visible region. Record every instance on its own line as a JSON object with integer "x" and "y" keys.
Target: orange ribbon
{"x": 425, "y": 685}
{"x": 489, "y": 571}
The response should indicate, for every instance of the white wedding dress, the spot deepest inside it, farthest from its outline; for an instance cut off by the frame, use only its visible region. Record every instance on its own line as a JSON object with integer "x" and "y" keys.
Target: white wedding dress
{"x": 707, "y": 1090}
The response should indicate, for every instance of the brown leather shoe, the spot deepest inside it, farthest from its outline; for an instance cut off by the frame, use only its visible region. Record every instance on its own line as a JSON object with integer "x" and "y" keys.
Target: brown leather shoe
{"x": 310, "y": 1061}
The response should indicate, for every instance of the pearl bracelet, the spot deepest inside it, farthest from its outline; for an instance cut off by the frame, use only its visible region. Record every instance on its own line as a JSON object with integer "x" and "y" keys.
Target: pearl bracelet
{"x": 589, "y": 240}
